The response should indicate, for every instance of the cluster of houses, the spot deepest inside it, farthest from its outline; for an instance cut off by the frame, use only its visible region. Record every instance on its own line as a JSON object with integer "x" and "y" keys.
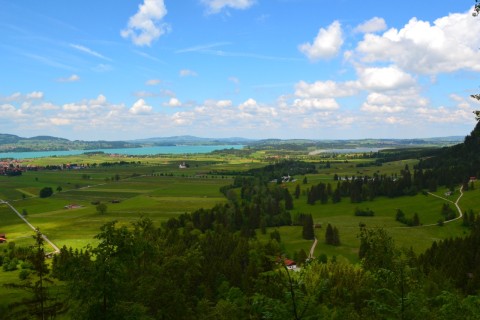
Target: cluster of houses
{"x": 285, "y": 179}
{"x": 10, "y": 168}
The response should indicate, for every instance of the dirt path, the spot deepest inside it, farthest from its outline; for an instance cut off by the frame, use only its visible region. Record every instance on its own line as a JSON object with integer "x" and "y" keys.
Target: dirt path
{"x": 312, "y": 249}
{"x": 55, "y": 248}
{"x": 460, "y": 213}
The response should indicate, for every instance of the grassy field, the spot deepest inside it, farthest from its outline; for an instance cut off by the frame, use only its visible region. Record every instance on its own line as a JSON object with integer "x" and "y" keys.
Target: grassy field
{"x": 155, "y": 187}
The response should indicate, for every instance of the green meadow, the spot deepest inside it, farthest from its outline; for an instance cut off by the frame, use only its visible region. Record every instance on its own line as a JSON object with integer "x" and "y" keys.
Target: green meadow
{"x": 155, "y": 187}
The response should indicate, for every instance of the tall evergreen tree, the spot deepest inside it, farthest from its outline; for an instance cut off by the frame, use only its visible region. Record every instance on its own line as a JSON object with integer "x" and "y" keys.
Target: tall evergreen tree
{"x": 308, "y": 228}
{"x": 329, "y": 235}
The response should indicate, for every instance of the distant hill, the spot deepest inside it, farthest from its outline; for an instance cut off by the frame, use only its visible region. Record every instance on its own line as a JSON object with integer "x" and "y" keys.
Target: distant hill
{"x": 192, "y": 140}
{"x": 13, "y": 143}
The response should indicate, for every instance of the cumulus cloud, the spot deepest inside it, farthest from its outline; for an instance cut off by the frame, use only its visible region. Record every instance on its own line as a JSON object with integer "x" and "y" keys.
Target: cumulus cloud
{"x": 375, "y": 24}
{"x": 146, "y": 25}
{"x": 72, "y": 78}
{"x": 187, "y": 73}
{"x": 326, "y": 44}
{"x": 386, "y": 78}
{"x": 35, "y": 95}
{"x": 326, "y": 89}
{"x": 426, "y": 48}
{"x": 224, "y": 103}
{"x": 140, "y": 107}
{"x": 306, "y": 105}
{"x": 173, "y": 102}
{"x": 215, "y": 6}
{"x": 408, "y": 101}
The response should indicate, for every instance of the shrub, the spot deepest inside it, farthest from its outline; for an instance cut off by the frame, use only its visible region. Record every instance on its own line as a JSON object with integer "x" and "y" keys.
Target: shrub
{"x": 46, "y": 192}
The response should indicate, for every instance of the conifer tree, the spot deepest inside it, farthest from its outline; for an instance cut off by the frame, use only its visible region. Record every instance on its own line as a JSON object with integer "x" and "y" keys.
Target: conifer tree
{"x": 329, "y": 236}
{"x": 308, "y": 232}
{"x": 297, "y": 191}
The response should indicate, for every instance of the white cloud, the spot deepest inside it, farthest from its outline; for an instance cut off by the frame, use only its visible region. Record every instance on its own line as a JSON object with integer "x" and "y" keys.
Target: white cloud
{"x": 8, "y": 110}
{"x": 173, "y": 102}
{"x": 17, "y": 96}
{"x": 387, "y": 78}
{"x": 187, "y": 73}
{"x": 326, "y": 89}
{"x": 375, "y": 24}
{"x": 215, "y": 6}
{"x": 72, "y": 78}
{"x": 60, "y": 121}
{"x": 306, "y": 105}
{"x": 100, "y": 100}
{"x": 145, "y": 26}
{"x": 327, "y": 43}
{"x": 182, "y": 118}
{"x": 447, "y": 45}
{"x": 153, "y": 82}
{"x": 224, "y": 103}
{"x": 89, "y": 51}
{"x": 402, "y": 100}
{"x": 35, "y": 95}
{"x": 140, "y": 107}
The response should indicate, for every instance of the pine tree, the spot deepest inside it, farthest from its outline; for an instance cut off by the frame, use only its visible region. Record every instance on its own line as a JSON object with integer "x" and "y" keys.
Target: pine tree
{"x": 297, "y": 191}
{"x": 416, "y": 219}
{"x": 288, "y": 200}
{"x": 308, "y": 232}
{"x": 336, "y": 237}
{"x": 329, "y": 236}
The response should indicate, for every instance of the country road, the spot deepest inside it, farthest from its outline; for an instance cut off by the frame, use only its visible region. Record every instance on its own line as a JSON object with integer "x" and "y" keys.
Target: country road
{"x": 55, "y": 248}
{"x": 455, "y": 203}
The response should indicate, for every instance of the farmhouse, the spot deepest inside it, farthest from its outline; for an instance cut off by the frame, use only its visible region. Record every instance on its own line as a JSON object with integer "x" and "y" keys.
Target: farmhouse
{"x": 3, "y": 238}
{"x": 290, "y": 264}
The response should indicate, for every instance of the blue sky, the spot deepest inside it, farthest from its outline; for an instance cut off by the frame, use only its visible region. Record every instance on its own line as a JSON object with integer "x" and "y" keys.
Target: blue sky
{"x": 117, "y": 70}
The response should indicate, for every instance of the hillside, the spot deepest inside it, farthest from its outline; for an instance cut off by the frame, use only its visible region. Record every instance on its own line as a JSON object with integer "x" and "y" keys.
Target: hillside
{"x": 456, "y": 164}
{"x": 13, "y": 143}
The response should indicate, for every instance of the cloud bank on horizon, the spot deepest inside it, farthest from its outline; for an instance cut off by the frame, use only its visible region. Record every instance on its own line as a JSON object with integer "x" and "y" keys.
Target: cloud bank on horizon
{"x": 221, "y": 68}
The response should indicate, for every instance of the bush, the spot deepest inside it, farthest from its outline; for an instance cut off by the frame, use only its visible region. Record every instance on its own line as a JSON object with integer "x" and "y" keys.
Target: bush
{"x": 23, "y": 275}
{"x": 364, "y": 212}
{"x": 46, "y": 192}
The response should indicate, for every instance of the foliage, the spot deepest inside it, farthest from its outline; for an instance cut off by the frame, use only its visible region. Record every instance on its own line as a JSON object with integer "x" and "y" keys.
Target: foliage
{"x": 332, "y": 236}
{"x": 41, "y": 303}
{"x": 46, "y": 192}
{"x": 364, "y": 212}
{"x": 101, "y": 208}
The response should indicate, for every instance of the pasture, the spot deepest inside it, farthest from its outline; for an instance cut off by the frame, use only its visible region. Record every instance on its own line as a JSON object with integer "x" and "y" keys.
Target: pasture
{"x": 155, "y": 187}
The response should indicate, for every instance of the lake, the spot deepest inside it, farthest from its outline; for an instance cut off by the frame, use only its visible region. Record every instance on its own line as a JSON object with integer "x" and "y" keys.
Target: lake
{"x": 126, "y": 151}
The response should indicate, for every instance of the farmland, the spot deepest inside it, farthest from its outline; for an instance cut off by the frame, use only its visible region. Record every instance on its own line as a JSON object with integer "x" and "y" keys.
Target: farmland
{"x": 156, "y": 188}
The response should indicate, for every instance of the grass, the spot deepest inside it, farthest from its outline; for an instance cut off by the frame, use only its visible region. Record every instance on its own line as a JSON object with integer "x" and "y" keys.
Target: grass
{"x": 156, "y": 188}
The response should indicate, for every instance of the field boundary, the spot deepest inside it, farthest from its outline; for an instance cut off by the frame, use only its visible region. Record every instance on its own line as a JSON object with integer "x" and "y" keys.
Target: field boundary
{"x": 55, "y": 248}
